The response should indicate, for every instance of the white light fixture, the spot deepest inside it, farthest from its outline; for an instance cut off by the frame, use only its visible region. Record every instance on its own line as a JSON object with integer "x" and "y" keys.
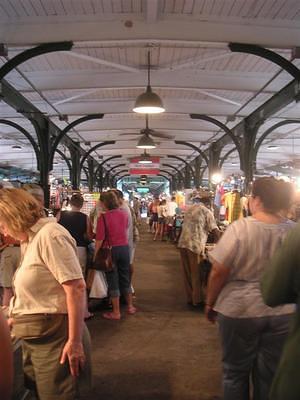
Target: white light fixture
{"x": 148, "y": 102}
{"x": 216, "y": 178}
{"x": 16, "y": 147}
{"x": 273, "y": 147}
{"x": 146, "y": 142}
{"x": 5, "y": 179}
{"x": 234, "y": 163}
{"x": 145, "y": 158}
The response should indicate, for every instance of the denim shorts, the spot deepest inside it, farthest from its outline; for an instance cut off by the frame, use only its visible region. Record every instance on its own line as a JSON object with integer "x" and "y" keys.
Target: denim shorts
{"x": 118, "y": 280}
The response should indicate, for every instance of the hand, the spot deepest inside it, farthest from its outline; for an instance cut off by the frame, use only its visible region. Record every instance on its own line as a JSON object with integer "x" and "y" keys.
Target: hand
{"x": 210, "y": 313}
{"x": 75, "y": 354}
{"x": 10, "y": 322}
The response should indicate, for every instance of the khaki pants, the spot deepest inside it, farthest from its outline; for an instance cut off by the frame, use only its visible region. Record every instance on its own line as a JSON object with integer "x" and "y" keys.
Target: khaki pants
{"x": 43, "y": 372}
{"x": 191, "y": 275}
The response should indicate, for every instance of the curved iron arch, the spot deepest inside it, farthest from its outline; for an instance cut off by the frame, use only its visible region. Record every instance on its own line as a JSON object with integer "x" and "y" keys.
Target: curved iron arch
{"x": 166, "y": 172}
{"x": 85, "y": 170}
{"x": 168, "y": 179}
{"x": 97, "y": 146}
{"x": 270, "y": 130}
{"x": 203, "y": 155}
{"x": 175, "y": 169}
{"x": 224, "y": 158}
{"x": 123, "y": 176}
{"x": 59, "y": 137}
{"x": 65, "y": 158}
{"x": 268, "y": 55}
{"x": 113, "y": 168}
{"x": 105, "y": 161}
{"x": 221, "y": 126}
{"x": 119, "y": 172}
{"x": 27, "y": 135}
{"x": 33, "y": 52}
{"x": 185, "y": 162}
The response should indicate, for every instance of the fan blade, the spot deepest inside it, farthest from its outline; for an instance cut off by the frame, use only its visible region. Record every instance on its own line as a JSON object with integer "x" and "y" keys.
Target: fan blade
{"x": 162, "y": 135}
{"x": 133, "y": 140}
{"x": 129, "y": 134}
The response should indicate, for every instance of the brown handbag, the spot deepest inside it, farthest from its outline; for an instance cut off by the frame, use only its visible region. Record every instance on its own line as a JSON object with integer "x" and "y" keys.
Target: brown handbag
{"x": 103, "y": 258}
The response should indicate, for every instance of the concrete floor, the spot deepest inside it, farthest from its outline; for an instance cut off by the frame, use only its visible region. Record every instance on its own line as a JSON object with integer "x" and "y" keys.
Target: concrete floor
{"x": 165, "y": 351}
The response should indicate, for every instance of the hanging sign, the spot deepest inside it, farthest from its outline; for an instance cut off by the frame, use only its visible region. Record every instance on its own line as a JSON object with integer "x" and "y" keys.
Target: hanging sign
{"x": 135, "y": 168}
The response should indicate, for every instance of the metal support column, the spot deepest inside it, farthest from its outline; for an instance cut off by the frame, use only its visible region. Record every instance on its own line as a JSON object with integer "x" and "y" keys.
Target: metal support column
{"x": 75, "y": 157}
{"x": 248, "y": 160}
{"x": 43, "y": 134}
{"x": 91, "y": 169}
{"x": 187, "y": 178}
{"x": 214, "y": 158}
{"x": 100, "y": 177}
{"x": 197, "y": 170}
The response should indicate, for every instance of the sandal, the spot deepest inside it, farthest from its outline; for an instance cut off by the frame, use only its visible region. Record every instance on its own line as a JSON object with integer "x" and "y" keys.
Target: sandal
{"x": 111, "y": 316}
{"x": 131, "y": 310}
{"x": 88, "y": 316}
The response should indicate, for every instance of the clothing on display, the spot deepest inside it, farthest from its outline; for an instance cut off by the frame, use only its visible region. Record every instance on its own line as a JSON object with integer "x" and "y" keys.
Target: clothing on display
{"x": 232, "y": 203}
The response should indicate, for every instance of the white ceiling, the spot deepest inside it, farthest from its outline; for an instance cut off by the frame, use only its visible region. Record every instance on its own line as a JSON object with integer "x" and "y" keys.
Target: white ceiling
{"x": 192, "y": 70}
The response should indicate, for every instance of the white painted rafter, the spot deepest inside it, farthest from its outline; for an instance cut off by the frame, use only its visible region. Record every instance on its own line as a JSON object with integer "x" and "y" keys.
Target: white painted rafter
{"x": 101, "y": 61}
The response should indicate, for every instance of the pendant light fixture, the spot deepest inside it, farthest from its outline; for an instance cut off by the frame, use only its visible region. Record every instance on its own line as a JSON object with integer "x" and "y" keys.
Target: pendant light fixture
{"x": 148, "y": 102}
{"x": 145, "y": 158}
{"x": 146, "y": 142}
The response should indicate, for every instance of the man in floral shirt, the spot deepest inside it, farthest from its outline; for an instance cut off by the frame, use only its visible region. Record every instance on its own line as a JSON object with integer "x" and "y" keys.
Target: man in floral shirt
{"x": 198, "y": 223}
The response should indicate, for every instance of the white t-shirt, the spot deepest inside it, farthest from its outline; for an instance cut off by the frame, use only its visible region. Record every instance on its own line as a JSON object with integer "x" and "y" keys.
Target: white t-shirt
{"x": 245, "y": 247}
{"x": 171, "y": 205}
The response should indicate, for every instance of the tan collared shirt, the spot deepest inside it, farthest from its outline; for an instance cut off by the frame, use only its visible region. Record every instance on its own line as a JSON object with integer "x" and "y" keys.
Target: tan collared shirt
{"x": 49, "y": 259}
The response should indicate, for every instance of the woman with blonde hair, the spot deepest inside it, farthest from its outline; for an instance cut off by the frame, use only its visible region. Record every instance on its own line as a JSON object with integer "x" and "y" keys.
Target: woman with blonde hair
{"x": 46, "y": 311}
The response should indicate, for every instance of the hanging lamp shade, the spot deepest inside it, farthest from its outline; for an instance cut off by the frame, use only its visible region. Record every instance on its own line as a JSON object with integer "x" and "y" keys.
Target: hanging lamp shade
{"x": 148, "y": 102}
{"x": 145, "y": 158}
{"x": 146, "y": 142}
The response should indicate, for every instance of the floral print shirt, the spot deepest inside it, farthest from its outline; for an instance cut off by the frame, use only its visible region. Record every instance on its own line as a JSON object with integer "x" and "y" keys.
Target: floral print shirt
{"x": 198, "y": 222}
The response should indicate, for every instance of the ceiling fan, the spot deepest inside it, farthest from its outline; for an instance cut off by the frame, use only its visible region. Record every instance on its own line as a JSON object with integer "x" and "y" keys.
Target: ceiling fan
{"x": 149, "y": 132}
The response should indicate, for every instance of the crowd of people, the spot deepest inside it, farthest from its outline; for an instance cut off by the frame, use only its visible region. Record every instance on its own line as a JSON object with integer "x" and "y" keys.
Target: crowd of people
{"x": 162, "y": 217}
{"x": 252, "y": 288}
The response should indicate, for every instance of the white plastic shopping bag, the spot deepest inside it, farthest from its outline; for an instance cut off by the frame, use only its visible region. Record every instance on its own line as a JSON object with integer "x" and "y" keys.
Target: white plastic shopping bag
{"x": 99, "y": 286}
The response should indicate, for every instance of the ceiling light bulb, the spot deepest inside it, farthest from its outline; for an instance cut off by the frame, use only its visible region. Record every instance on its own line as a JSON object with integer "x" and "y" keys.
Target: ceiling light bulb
{"x": 216, "y": 178}
{"x": 146, "y": 142}
{"x": 273, "y": 147}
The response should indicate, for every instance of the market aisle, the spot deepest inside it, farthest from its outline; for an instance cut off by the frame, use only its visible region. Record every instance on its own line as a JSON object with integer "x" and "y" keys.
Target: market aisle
{"x": 166, "y": 351}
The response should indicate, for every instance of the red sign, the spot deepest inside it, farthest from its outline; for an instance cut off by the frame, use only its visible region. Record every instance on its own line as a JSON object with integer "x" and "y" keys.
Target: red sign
{"x": 144, "y": 171}
{"x": 136, "y": 168}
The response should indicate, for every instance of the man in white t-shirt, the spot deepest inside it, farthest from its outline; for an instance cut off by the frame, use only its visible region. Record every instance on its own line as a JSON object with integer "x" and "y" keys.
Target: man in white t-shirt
{"x": 172, "y": 205}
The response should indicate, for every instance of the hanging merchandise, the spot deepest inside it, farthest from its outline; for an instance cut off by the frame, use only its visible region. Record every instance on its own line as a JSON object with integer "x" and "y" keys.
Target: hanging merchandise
{"x": 232, "y": 203}
{"x": 90, "y": 200}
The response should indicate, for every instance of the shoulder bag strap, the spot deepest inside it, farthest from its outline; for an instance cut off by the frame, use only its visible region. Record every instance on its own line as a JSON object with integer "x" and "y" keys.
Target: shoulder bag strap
{"x": 106, "y": 236}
